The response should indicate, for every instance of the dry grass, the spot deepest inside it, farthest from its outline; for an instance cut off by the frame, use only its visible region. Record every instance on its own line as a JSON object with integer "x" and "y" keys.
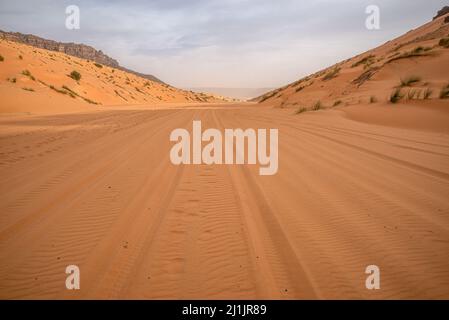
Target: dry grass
{"x": 317, "y": 106}
{"x": 396, "y": 96}
{"x": 332, "y": 74}
{"x": 336, "y": 103}
{"x": 407, "y": 82}
{"x": 28, "y": 74}
{"x": 417, "y": 52}
{"x": 367, "y": 61}
{"x": 301, "y": 110}
{"x": 444, "y": 93}
{"x": 427, "y": 93}
{"x": 444, "y": 43}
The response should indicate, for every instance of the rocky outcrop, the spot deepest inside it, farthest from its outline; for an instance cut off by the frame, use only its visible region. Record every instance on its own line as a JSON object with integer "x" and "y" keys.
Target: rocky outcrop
{"x": 74, "y": 49}
{"x": 442, "y": 12}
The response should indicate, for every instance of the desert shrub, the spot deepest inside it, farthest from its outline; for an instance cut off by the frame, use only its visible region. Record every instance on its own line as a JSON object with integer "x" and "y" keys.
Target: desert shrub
{"x": 372, "y": 99}
{"x": 1, "y": 58}
{"x": 396, "y": 95}
{"x": 317, "y": 106}
{"x": 367, "y": 61}
{"x": 98, "y": 65}
{"x": 89, "y": 101}
{"x": 444, "y": 43}
{"x": 28, "y": 89}
{"x": 427, "y": 93}
{"x": 365, "y": 76}
{"x": 417, "y": 52}
{"x": 300, "y": 110}
{"x": 20, "y": 57}
{"x": 75, "y": 75}
{"x": 268, "y": 96}
{"x": 336, "y": 103}
{"x": 332, "y": 74}
{"x": 444, "y": 93}
{"x": 407, "y": 82}
{"x": 28, "y": 74}
{"x": 57, "y": 90}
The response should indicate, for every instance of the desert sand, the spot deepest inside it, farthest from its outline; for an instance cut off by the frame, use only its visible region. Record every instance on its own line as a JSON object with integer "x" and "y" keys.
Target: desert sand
{"x": 361, "y": 182}
{"x": 97, "y": 190}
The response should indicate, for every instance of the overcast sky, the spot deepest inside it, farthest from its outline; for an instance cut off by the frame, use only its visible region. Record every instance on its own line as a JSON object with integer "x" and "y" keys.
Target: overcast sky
{"x": 227, "y": 43}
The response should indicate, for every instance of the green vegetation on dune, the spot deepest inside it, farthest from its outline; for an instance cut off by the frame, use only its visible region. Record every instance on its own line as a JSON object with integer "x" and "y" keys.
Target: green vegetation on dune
{"x": 75, "y": 75}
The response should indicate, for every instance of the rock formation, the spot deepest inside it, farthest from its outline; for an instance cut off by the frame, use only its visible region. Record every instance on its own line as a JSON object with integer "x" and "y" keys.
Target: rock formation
{"x": 74, "y": 49}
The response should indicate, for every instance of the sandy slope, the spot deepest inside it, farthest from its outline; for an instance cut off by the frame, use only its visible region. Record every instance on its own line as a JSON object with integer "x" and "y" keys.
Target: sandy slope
{"x": 34, "y": 80}
{"x": 375, "y": 74}
{"x": 98, "y": 190}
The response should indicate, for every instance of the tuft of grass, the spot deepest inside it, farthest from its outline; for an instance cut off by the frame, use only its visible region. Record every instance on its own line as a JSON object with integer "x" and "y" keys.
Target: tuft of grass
{"x": 75, "y": 75}
{"x": 12, "y": 80}
{"x": 417, "y": 52}
{"x": 57, "y": 90}
{"x": 90, "y": 101}
{"x": 366, "y": 61}
{"x": 427, "y": 93}
{"x": 28, "y": 89}
{"x": 396, "y": 95}
{"x": 444, "y": 42}
{"x": 365, "y": 76}
{"x": 138, "y": 90}
{"x": 317, "y": 106}
{"x": 336, "y": 103}
{"x": 1, "y": 58}
{"x": 407, "y": 82}
{"x": 444, "y": 93}
{"x": 28, "y": 74}
{"x": 98, "y": 65}
{"x": 268, "y": 96}
{"x": 332, "y": 74}
{"x": 301, "y": 110}
{"x": 372, "y": 99}
{"x": 73, "y": 94}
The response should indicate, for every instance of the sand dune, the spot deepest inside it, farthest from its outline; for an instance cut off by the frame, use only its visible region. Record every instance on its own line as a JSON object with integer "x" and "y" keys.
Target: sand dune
{"x": 371, "y": 77}
{"x": 97, "y": 190}
{"x": 34, "y": 80}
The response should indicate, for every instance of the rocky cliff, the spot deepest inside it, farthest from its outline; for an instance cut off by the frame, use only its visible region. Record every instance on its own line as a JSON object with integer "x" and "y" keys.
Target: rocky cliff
{"x": 74, "y": 49}
{"x": 442, "y": 12}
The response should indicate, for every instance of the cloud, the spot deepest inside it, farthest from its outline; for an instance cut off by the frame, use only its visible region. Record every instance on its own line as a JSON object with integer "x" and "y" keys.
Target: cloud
{"x": 234, "y": 43}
